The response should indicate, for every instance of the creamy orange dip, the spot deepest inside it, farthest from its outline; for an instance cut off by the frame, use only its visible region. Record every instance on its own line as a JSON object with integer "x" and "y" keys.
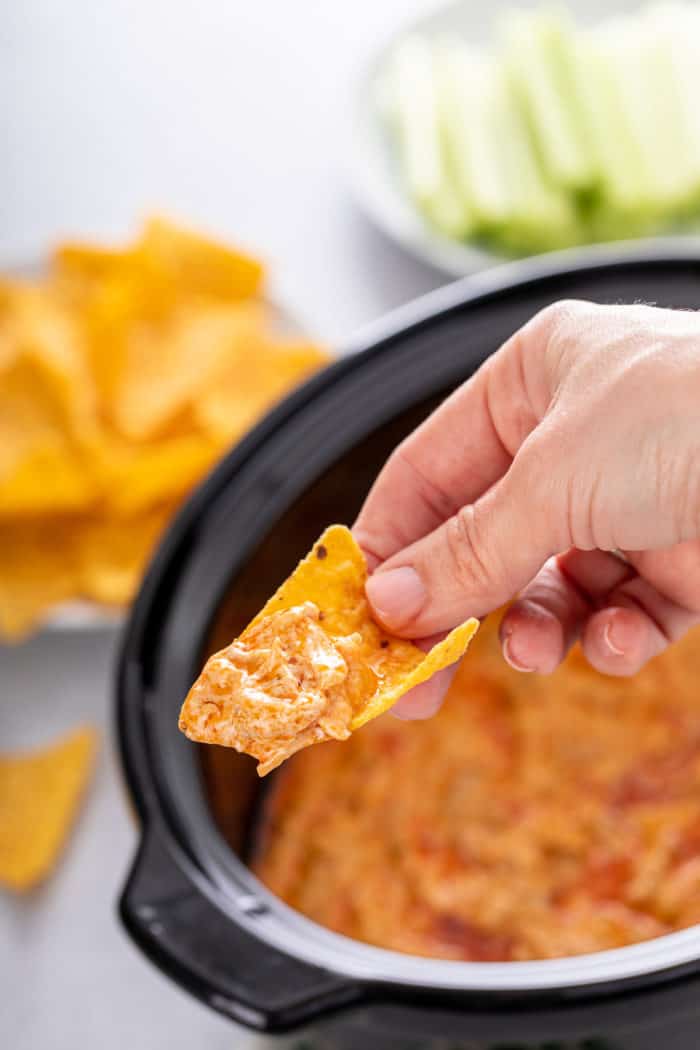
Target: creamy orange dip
{"x": 281, "y": 686}
{"x": 534, "y": 817}
{"x": 312, "y": 665}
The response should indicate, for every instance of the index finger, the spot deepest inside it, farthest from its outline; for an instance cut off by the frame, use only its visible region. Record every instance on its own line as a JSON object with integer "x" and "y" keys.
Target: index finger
{"x": 452, "y": 458}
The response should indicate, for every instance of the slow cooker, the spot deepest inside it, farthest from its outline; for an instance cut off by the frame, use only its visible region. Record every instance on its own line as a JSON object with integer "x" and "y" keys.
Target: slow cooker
{"x": 190, "y": 902}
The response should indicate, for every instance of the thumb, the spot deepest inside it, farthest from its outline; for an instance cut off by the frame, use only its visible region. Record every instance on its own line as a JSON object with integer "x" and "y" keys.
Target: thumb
{"x": 475, "y": 561}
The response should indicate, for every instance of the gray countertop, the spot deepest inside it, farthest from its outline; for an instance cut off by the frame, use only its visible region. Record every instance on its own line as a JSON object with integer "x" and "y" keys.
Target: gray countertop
{"x": 231, "y": 116}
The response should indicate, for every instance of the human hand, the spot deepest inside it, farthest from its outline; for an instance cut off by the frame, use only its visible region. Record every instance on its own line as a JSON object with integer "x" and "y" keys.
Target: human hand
{"x": 576, "y": 443}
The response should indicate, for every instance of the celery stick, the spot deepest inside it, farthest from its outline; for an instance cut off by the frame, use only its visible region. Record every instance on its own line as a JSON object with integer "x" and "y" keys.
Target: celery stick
{"x": 415, "y": 117}
{"x": 677, "y": 27}
{"x": 449, "y": 212}
{"x": 536, "y": 80}
{"x": 466, "y": 87}
{"x": 492, "y": 155}
{"x": 649, "y": 108}
{"x": 625, "y": 204}
{"x": 672, "y": 145}
{"x": 625, "y": 187}
{"x": 542, "y": 215}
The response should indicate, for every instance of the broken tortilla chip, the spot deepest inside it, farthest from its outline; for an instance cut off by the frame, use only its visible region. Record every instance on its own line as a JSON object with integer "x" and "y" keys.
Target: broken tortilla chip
{"x": 39, "y": 796}
{"x": 312, "y": 666}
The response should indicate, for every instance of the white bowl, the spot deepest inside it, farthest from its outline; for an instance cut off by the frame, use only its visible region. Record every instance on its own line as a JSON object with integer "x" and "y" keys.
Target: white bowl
{"x": 373, "y": 172}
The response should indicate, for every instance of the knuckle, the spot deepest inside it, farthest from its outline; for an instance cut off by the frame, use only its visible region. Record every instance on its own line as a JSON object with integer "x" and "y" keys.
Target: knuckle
{"x": 561, "y": 317}
{"x": 548, "y": 469}
{"x": 396, "y": 457}
{"x": 436, "y": 501}
{"x": 560, "y": 327}
{"x": 467, "y": 540}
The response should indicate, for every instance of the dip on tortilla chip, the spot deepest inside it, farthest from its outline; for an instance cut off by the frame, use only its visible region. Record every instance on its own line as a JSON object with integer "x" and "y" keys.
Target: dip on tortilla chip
{"x": 312, "y": 666}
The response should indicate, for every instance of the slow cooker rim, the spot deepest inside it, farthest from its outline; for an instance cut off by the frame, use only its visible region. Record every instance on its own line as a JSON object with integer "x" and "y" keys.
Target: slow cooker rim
{"x": 671, "y": 952}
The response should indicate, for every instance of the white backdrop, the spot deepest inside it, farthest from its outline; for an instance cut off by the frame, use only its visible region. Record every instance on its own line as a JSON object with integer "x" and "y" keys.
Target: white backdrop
{"x": 229, "y": 114}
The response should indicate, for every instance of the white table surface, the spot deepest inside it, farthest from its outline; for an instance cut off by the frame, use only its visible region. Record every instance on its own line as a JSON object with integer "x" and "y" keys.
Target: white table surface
{"x": 230, "y": 115}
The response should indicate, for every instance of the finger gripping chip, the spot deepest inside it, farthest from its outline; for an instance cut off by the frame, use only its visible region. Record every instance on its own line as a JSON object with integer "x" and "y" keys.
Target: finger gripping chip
{"x": 312, "y": 666}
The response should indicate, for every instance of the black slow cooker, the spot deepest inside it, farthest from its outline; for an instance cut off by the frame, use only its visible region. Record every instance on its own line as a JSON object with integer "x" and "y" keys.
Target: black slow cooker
{"x": 190, "y": 902}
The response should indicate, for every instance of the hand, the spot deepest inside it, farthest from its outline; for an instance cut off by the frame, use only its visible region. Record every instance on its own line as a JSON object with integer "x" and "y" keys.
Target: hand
{"x": 567, "y": 471}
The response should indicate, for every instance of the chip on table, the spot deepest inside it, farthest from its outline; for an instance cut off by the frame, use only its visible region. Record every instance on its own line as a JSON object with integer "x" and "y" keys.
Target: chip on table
{"x": 40, "y": 792}
{"x": 312, "y": 666}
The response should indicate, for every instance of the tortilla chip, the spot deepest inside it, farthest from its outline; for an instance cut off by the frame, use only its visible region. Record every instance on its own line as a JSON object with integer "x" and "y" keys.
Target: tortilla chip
{"x": 113, "y": 552}
{"x": 39, "y": 796}
{"x": 38, "y": 569}
{"x": 312, "y": 665}
{"x": 41, "y": 466}
{"x": 48, "y": 560}
{"x": 41, "y": 332}
{"x": 260, "y": 371}
{"x": 166, "y": 365}
{"x": 134, "y": 307}
{"x": 78, "y": 270}
{"x": 137, "y": 476}
{"x": 47, "y": 406}
{"x": 196, "y": 265}
{"x": 165, "y": 264}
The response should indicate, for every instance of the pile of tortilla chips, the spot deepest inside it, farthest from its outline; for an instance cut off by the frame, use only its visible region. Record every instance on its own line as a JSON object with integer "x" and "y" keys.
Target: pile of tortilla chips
{"x": 124, "y": 375}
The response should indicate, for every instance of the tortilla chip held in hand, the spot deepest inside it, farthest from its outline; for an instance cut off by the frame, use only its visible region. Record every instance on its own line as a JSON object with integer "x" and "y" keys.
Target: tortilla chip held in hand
{"x": 312, "y": 666}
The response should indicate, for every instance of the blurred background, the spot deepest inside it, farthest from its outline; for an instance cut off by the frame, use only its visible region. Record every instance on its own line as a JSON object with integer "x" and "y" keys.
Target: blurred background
{"x": 233, "y": 118}
{"x": 302, "y": 137}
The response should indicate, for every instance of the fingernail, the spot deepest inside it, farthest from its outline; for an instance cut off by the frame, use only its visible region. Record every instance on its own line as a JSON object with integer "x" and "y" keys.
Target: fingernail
{"x": 611, "y": 639}
{"x": 396, "y": 595}
{"x": 510, "y": 657}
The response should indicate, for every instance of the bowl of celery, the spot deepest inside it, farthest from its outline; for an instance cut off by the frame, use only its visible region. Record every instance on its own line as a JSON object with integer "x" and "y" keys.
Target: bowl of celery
{"x": 489, "y": 134}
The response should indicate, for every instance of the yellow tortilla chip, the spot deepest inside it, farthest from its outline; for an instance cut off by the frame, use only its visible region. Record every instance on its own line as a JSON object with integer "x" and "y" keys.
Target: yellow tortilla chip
{"x": 77, "y": 267}
{"x": 48, "y": 560}
{"x": 166, "y": 365}
{"x": 196, "y": 265}
{"x": 312, "y": 665}
{"x": 259, "y": 371}
{"x": 38, "y": 569}
{"x": 137, "y": 306}
{"x": 47, "y": 406}
{"x": 165, "y": 264}
{"x": 137, "y": 476}
{"x": 41, "y": 466}
{"x": 39, "y": 796}
{"x": 41, "y": 332}
{"x": 113, "y": 552}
